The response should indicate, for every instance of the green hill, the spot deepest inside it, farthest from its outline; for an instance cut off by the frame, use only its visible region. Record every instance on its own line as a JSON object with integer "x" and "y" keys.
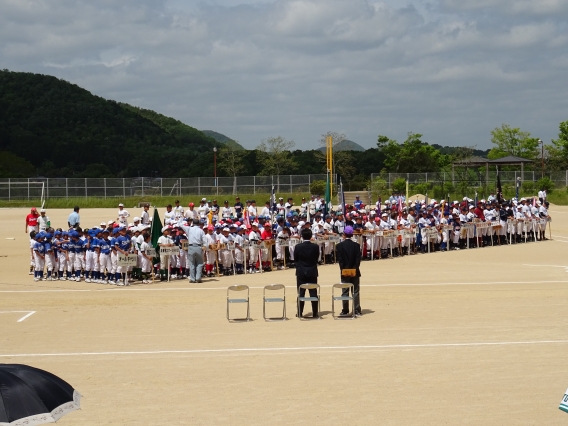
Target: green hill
{"x": 225, "y": 140}
{"x": 346, "y": 145}
{"x": 64, "y": 130}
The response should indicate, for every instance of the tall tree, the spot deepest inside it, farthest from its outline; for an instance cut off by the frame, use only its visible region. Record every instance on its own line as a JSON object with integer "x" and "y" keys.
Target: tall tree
{"x": 412, "y": 156}
{"x": 558, "y": 152}
{"x": 275, "y": 157}
{"x": 512, "y": 141}
{"x": 231, "y": 161}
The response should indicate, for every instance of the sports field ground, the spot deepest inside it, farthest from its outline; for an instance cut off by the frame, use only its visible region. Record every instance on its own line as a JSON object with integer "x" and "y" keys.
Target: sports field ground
{"x": 475, "y": 337}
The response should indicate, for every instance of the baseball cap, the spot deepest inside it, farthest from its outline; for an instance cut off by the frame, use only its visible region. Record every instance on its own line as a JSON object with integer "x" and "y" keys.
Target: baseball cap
{"x": 121, "y": 205}
{"x": 191, "y": 205}
{"x": 165, "y": 228}
{"x": 136, "y": 219}
{"x": 226, "y": 229}
{"x": 42, "y": 211}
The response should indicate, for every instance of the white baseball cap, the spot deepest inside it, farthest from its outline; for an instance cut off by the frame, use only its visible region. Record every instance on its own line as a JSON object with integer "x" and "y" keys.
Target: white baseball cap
{"x": 226, "y": 230}
{"x": 42, "y": 211}
{"x": 136, "y": 219}
{"x": 121, "y": 205}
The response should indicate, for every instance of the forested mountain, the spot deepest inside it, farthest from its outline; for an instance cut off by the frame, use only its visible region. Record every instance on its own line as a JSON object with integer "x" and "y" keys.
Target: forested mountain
{"x": 345, "y": 145}
{"x": 64, "y": 130}
{"x": 225, "y": 140}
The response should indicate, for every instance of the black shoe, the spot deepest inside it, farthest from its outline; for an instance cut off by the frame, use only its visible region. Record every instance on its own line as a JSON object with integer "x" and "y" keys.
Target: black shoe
{"x": 358, "y": 314}
{"x": 343, "y": 313}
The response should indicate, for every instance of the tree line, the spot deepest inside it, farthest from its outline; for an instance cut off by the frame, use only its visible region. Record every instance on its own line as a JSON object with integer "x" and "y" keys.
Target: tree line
{"x": 52, "y": 128}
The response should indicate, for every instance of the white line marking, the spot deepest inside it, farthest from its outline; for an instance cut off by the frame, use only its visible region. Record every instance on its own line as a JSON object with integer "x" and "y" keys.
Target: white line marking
{"x": 287, "y": 349}
{"x": 26, "y": 316}
{"x": 29, "y": 314}
{"x": 42, "y": 291}
{"x": 547, "y": 266}
{"x": 119, "y": 289}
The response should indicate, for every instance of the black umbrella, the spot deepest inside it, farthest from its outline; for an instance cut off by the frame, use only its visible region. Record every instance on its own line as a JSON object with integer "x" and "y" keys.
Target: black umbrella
{"x": 30, "y": 396}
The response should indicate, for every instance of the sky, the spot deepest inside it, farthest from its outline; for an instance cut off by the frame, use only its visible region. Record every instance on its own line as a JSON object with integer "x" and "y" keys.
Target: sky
{"x": 452, "y": 70}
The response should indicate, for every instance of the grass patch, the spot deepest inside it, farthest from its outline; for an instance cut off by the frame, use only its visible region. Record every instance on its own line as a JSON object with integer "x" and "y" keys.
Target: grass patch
{"x": 132, "y": 202}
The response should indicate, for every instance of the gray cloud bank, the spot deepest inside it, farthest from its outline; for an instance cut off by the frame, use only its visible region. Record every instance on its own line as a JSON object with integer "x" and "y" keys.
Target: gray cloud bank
{"x": 450, "y": 69}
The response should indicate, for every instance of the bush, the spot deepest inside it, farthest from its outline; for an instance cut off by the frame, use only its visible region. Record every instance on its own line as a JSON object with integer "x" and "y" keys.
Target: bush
{"x": 318, "y": 187}
{"x": 527, "y": 187}
{"x": 442, "y": 191}
{"x": 420, "y": 188}
{"x": 379, "y": 188}
{"x": 399, "y": 185}
{"x": 544, "y": 183}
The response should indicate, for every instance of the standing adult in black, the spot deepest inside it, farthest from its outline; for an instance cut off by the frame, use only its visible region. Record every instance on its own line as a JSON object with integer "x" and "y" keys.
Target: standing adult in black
{"x": 306, "y": 255}
{"x": 348, "y": 254}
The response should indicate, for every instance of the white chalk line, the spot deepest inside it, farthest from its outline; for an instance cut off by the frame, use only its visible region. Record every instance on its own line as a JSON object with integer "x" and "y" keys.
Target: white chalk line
{"x": 287, "y": 349}
{"x": 29, "y": 314}
{"x": 128, "y": 289}
{"x": 546, "y": 266}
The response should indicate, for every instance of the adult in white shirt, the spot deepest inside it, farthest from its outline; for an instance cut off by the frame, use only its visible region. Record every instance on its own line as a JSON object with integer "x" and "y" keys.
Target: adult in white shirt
{"x": 123, "y": 215}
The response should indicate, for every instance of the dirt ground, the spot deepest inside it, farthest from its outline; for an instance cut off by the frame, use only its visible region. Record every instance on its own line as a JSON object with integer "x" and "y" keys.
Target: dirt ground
{"x": 475, "y": 337}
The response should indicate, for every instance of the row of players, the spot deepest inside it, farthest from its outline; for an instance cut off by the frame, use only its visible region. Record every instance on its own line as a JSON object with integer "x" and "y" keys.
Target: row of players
{"x": 93, "y": 253}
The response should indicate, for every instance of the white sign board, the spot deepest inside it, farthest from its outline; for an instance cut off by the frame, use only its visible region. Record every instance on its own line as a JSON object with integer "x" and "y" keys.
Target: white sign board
{"x": 184, "y": 245}
{"x": 169, "y": 251}
{"x": 151, "y": 252}
{"x": 126, "y": 260}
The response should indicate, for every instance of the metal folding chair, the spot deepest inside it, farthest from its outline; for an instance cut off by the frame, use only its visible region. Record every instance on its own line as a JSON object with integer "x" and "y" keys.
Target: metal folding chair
{"x": 342, "y": 298}
{"x": 309, "y": 298}
{"x": 238, "y": 300}
{"x": 274, "y": 287}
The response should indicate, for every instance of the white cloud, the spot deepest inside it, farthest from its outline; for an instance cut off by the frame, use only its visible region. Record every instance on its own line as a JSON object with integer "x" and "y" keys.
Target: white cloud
{"x": 451, "y": 69}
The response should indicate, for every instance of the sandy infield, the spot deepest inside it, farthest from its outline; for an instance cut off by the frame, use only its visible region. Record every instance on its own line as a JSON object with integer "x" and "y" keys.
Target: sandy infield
{"x": 475, "y": 337}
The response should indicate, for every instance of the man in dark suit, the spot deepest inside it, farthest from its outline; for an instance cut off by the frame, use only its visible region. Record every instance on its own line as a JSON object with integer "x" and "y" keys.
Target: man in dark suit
{"x": 306, "y": 255}
{"x": 348, "y": 254}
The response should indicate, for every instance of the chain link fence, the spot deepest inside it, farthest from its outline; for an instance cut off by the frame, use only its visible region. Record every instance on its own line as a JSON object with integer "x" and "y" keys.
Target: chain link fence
{"x": 472, "y": 177}
{"x": 13, "y": 189}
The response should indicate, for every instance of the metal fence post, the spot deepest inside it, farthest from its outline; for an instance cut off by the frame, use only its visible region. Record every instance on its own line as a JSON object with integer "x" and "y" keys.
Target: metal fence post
{"x": 567, "y": 178}
{"x": 142, "y": 186}
{"x": 46, "y": 188}
{"x": 123, "y": 188}
{"x": 9, "y": 189}
{"x": 198, "y": 186}
{"x": 426, "y": 177}
{"x": 85, "y": 187}
{"x": 105, "y": 183}
{"x": 310, "y": 183}
{"x": 254, "y": 184}
{"x": 67, "y": 188}
{"x": 291, "y": 190}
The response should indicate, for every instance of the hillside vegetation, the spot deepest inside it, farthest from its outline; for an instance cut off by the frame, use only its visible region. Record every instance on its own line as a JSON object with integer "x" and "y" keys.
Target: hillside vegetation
{"x": 64, "y": 130}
